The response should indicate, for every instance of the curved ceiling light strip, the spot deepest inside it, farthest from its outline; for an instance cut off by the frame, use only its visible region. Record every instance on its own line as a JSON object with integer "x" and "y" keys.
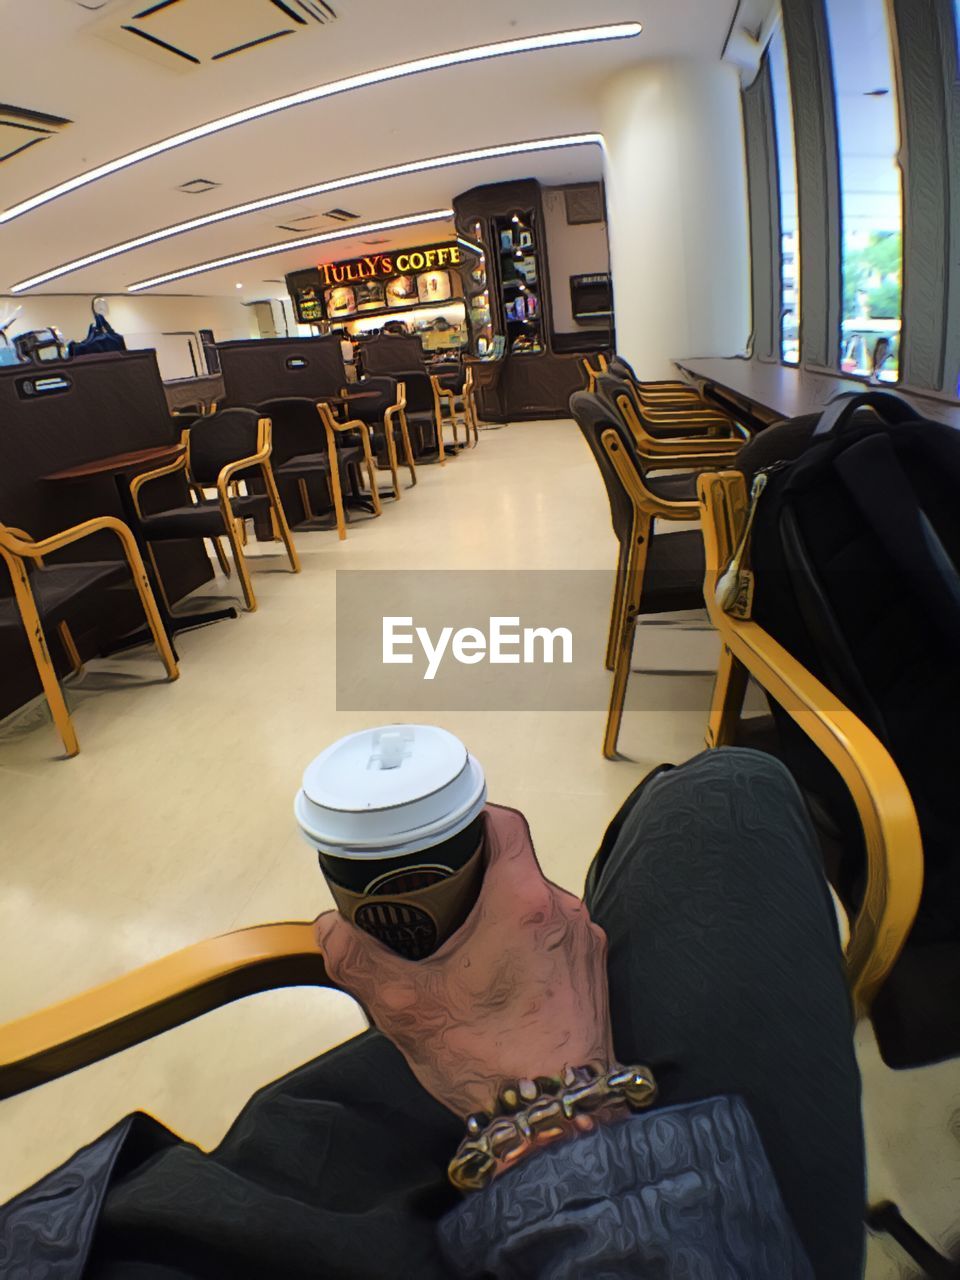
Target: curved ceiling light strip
{"x": 479, "y": 53}
{"x": 390, "y": 224}
{"x": 320, "y": 188}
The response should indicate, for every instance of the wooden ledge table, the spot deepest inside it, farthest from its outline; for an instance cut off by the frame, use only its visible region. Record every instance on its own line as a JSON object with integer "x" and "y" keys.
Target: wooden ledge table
{"x": 123, "y": 467}
{"x": 768, "y": 393}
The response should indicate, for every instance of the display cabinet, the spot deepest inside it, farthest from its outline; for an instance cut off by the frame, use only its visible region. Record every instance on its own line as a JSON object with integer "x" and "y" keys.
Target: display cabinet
{"x": 518, "y": 372}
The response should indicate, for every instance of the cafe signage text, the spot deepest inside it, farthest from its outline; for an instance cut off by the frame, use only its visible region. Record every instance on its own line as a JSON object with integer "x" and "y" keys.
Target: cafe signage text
{"x": 378, "y": 266}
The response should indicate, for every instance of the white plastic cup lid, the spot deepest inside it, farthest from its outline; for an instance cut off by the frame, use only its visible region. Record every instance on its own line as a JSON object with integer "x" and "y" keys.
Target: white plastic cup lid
{"x": 383, "y": 793}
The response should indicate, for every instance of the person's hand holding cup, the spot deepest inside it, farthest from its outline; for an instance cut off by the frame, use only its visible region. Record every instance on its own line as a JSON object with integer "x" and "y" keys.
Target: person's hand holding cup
{"x": 519, "y": 991}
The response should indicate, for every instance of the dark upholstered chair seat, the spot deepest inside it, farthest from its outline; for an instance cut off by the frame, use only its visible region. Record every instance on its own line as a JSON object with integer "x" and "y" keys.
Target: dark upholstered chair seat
{"x": 205, "y": 520}
{"x": 678, "y": 488}
{"x": 56, "y": 586}
{"x": 674, "y": 573}
{"x": 304, "y": 463}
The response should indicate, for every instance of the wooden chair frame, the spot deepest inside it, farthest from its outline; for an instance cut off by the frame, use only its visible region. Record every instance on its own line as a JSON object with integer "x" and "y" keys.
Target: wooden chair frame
{"x": 16, "y": 548}
{"x": 592, "y": 373}
{"x": 155, "y": 998}
{"x": 396, "y": 416}
{"x": 680, "y": 451}
{"x": 225, "y": 483}
{"x": 628, "y": 584}
{"x": 459, "y": 411}
{"x": 333, "y": 428}
{"x": 395, "y": 419}
{"x": 891, "y": 832}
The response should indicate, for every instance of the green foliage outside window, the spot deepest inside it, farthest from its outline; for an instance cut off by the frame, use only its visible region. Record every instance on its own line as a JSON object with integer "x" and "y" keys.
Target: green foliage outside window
{"x": 871, "y": 277}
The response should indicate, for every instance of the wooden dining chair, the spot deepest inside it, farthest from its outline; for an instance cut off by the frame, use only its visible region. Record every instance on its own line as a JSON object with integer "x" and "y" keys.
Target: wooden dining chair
{"x": 222, "y": 451}
{"x": 671, "y": 431}
{"x": 661, "y": 390}
{"x": 385, "y": 415}
{"x": 304, "y": 449}
{"x": 656, "y": 572}
{"x": 591, "y": 372}
{"x": 44, "y": 594}
{"x": 456, "y": 408}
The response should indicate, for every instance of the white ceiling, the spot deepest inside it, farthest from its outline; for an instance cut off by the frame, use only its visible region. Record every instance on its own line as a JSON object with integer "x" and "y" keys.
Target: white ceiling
{"x": 72, "y": 59}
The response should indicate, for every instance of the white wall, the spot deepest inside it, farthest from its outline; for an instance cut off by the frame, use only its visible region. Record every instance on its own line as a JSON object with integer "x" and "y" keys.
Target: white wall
{"x": 144, "y": 322}
{"x": 677, "y": 207}
{"x": 576, "y": 250}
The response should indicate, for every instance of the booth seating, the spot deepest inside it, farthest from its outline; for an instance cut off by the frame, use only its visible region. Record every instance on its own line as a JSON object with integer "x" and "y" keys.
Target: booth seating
{"x": 44, "y": 594}
{"x": 656, "y": 573}
{"x": 312, "y": 445}
{"x": 386, "y": 416}
{"x": 221, "y": 452}
{"x": 61, "y": 417}
{"x": 258, "y": 369}
{"x": 393, "y": 354}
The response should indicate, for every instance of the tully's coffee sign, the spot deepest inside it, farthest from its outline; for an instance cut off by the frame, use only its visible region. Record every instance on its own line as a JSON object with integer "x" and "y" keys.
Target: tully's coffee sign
{"x": 380, "y": 266}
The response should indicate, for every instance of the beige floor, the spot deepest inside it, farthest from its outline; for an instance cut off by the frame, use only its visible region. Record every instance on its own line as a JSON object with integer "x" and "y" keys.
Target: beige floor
{"x": 175, "y": 822}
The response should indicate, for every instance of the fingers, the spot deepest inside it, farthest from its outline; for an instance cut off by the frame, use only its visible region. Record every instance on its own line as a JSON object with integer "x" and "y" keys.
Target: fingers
{"x": 354, "y": 960}
{"x": 513, "y": 879}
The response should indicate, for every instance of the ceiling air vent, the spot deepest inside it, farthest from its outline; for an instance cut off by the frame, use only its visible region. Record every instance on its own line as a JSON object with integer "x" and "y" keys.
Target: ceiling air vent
{"x": 306, "y": 222}
{"x": 21, "y": 128}
{"x": 584, "y": 204}
{"x": 197, "y": 186}
{"x": 341, "y": 215}
{"x": 192, "y": 33}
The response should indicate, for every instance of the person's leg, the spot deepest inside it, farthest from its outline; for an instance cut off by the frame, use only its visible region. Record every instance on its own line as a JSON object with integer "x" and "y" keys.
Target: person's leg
{"x": 337, "y": 1170}
{"x": 726, "y": 973}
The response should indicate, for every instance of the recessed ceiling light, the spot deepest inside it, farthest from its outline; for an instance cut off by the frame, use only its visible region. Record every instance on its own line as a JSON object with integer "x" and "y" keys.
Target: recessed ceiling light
{"x": 285, "y": 197}
{"x": 435, "y": 215}
{"x": 479, "y": 53}
{"x": 239, "y": 286}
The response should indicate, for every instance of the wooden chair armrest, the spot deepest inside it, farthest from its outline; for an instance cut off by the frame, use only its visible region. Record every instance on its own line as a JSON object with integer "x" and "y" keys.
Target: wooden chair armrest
{"x": 637, "y": 490}
{"x": 89, "y": 1027}
{"x": 138, "y": 481}
{"x": 685, "y": 447}
{"x": 36, "y": 550}
{"x": 883, "y": 801}
{"x": 17, "y": 533}
{"x": 709, "y": 417}
{"x": 353, "y": 424}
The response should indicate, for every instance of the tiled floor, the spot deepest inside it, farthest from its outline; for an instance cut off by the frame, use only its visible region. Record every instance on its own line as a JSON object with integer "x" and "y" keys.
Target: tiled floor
{"x": 175, "y": 821}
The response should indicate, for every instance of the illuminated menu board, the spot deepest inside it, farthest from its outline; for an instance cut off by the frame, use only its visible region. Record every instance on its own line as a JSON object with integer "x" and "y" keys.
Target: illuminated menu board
{"x": 377, "y": 283}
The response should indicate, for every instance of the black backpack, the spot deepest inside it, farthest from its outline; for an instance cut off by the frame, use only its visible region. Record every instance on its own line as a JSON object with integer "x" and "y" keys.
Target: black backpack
{"x": 855, "y": 551}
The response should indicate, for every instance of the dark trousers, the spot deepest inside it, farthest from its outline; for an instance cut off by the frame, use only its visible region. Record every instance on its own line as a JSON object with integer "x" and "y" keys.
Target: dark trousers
{"x": 725, "y": 976}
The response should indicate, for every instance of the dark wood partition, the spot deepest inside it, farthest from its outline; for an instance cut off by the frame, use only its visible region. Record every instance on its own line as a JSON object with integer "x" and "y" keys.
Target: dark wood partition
{"x": 391, "y": 353}
{"x": 258, "y": 369}
{"x": 59, "y": 415}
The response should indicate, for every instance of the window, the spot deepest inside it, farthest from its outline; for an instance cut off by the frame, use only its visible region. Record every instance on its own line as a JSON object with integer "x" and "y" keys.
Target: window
{"x": 789, "y": 221}
{"x": 871, "y": 202}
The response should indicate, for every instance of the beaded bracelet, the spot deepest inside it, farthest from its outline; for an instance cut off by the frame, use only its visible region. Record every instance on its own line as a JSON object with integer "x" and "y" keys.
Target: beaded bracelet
{"x": 534, "y": 1112}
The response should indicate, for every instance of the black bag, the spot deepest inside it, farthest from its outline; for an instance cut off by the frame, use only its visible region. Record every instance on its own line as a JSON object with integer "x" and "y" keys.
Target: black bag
{"x": 101, "y": 337}
{"x": 855, "y": 550}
